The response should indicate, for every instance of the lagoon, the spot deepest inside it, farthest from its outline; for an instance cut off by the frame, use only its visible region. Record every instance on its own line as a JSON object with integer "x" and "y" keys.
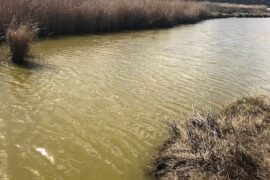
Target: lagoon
{"x": 97, "y": 106}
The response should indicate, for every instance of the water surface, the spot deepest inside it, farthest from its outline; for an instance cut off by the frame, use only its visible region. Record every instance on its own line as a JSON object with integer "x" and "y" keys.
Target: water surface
{"x": 97, "y": 107}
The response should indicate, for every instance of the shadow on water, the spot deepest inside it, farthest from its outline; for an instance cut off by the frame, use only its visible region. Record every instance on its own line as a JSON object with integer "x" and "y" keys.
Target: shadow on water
{"x": 33, "y": 62}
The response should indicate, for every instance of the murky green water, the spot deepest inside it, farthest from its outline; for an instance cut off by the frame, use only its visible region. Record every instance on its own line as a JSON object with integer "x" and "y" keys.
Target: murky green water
{"x": 96, "y": 108}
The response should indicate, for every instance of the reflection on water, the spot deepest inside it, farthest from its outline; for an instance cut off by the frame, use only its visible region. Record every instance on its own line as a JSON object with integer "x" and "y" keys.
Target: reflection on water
{"x": 97, "y": 110}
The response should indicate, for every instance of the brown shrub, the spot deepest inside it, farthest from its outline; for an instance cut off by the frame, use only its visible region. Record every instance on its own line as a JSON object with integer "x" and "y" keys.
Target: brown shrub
{"x": 234, "y": 144}
{"x": 19, "y": 38}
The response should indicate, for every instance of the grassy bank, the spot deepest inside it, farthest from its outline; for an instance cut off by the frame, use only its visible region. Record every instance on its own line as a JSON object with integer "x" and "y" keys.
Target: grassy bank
{"x": 62, "y": 17}
{"x": 234, "y": 144}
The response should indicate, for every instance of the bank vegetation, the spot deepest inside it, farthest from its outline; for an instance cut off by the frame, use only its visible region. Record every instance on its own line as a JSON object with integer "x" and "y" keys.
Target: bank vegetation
{"x": 233, "y": 144}
{"x": 62, "y": 17}
{"x": 19, "y": 38}
{"x": 65, "y": 17}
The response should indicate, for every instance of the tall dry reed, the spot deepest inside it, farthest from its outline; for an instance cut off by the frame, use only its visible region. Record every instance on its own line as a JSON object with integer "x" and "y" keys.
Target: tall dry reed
{"x": 19, "y": 38}
{"x": 61, "y": 17}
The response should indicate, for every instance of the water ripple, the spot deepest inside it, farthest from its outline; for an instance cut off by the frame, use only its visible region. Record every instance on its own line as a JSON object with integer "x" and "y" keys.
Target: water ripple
{"x": 99, "y": 110}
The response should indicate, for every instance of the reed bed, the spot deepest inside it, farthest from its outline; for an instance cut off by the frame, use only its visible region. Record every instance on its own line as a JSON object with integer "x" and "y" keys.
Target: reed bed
{"x": 61, "y": 17}
{"x": 234, "y": 144}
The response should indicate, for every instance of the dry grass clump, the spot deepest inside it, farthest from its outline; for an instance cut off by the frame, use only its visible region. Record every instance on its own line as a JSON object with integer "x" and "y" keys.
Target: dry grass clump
{"x": 235, "y": 144}
{"x": 60, "y": 17}
{"x": 19, "y": 38}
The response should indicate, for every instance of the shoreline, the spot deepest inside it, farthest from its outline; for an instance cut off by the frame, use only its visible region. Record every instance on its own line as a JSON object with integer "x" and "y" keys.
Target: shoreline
{"x": 210, "y": 17}
{"x": 136, "y": 17}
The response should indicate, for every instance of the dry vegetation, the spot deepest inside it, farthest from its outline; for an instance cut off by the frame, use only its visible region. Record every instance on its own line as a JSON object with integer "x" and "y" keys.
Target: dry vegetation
{"x": 234, "y": 144}
{"x": 19, "y": 38}
{"x": 61, "y": 17}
